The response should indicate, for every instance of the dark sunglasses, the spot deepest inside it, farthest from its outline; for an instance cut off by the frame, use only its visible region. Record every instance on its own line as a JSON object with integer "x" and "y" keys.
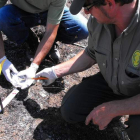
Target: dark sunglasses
{"x": 96, "y": 3}
{"x": 88, "y": 7}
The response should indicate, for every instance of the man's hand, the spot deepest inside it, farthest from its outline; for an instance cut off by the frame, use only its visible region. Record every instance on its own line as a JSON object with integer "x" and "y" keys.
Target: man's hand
{"x": 101, "y": 115}
{"x": 28, "y": 74}
{"x": 7, "y": 68}
{"x": 48, "y": 73}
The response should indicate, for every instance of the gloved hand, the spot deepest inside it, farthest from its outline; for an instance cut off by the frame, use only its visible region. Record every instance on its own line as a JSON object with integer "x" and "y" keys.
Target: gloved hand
{"x": 49, "y": 73}
{"x": 7, "y": 68}
{"x": 28, "y": 74}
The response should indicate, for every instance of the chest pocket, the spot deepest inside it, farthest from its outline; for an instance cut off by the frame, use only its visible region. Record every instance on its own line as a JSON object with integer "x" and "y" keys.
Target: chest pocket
{"x": 102, "y": 62}
{"x": 130, "y": 83}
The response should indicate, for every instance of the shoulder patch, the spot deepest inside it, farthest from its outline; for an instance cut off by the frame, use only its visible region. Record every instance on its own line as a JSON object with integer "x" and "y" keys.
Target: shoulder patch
{"x": 136, "y": 58}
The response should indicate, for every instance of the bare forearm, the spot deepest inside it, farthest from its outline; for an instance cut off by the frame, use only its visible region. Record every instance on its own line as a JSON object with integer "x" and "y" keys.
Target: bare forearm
{"x": 43, "y": 49}
{"x": 45, "y": 44}
{"x": 76, "y": 64}
{"x": 2, "y": 52}
{"x": 130, "y": 106}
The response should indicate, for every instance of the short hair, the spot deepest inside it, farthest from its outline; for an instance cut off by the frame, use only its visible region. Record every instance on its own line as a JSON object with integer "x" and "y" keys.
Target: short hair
{"x": 122, "y": 2}
{"x": 102, "y": 2}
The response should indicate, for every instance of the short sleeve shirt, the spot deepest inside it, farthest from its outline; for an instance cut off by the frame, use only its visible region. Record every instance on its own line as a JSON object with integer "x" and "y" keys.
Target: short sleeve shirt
{"x": 118, "y": 58}
{"x": 55, "y": 8}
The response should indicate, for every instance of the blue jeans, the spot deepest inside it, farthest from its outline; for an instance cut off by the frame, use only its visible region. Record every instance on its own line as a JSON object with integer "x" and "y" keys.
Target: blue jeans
{"x": 15, "y": 23}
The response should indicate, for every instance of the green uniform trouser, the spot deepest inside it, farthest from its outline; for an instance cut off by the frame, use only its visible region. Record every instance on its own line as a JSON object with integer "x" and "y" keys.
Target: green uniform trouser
{"x": 91, "y": 92}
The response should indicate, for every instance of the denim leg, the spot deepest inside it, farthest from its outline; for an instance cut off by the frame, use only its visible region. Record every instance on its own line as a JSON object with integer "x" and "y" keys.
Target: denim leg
{"x": 72, "y": 28}
{"x": 15, "y": 23}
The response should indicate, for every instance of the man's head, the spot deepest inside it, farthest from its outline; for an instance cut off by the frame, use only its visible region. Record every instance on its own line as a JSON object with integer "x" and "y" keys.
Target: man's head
{"x": 78, "y": 4}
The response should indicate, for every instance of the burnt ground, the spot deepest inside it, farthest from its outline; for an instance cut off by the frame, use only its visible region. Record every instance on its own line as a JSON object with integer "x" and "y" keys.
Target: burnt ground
{"x": 34, "y": 114}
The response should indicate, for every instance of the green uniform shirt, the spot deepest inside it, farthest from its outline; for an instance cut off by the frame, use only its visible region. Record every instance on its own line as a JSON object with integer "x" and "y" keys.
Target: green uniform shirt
{"x": 55, "y": 8}
{"x": 118, "y": 58}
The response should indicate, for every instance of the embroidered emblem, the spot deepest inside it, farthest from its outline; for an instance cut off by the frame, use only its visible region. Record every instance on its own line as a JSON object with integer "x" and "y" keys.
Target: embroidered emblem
{"x": 136, "y": 58}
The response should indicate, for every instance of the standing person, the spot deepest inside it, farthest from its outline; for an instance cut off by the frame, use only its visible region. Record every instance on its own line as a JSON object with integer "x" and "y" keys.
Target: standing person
{"x": 114, "y": 44}
{"x": 16, "y": 20}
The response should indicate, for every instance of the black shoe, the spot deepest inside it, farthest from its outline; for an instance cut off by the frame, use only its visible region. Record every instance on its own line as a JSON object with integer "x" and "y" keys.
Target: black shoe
{"x": 54, "y": 53}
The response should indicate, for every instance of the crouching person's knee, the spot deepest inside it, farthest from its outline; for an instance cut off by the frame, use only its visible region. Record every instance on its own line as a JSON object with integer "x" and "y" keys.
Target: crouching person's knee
{"x": 67, "y": 115}
{"x": 67, "y": 111}
{"x": 68, "y": 107}
{"x": 4, "y": 18}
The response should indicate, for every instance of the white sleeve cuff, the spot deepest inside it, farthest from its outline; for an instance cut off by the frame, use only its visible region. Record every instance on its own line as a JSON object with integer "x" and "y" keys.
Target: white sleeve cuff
{"x": 34, "y": 66}
{"x": 54, "y": 74}
{"x": 4, "y": 57}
